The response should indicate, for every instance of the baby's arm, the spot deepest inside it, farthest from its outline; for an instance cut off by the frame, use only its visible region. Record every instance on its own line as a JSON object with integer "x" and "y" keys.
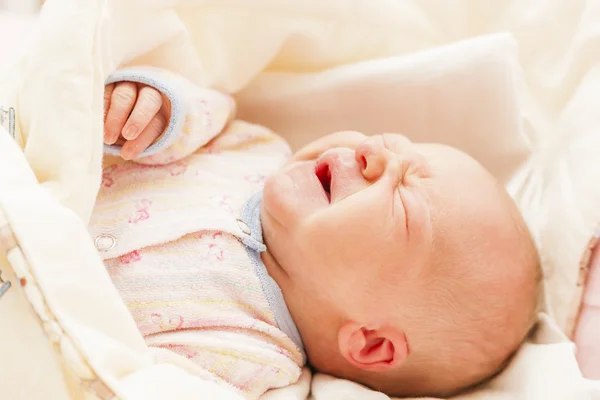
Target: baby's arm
{"x": 241, "y": 358}
{"x": 171, "y": 117}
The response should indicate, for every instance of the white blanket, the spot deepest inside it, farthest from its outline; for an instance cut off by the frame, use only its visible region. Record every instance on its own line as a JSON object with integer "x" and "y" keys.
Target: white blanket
{"x": 523, "y": 103}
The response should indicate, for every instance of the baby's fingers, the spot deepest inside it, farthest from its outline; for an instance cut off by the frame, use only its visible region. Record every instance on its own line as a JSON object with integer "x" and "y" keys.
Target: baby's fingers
{"x": 122, "y": 101}
{"x": 108, "y": 91}
{"x": 133, "y": 148}
{"x": 148, "y": 104}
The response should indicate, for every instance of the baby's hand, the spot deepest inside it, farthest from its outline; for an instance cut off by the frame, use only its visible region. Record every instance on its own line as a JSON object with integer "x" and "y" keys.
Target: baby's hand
{"x": 134, "y": 115}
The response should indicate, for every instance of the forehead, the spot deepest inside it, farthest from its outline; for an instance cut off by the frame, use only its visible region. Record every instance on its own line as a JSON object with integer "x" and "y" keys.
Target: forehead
{"x": 454, "y": 165}
{"x": 467, "y": 203}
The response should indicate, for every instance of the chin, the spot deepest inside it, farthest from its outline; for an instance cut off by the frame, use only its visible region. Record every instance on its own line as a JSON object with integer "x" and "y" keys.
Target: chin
{"x": 293, "y": 194}
{"x": 274, "y": 197}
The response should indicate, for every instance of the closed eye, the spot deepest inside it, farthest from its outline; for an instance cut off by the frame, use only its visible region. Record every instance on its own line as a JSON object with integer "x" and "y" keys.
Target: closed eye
{"x": 394, "y": 149}
{"x": 406, "y": 217}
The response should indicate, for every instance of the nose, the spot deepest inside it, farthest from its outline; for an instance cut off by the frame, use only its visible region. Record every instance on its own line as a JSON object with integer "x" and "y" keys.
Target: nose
{"x": 373, "y": 158}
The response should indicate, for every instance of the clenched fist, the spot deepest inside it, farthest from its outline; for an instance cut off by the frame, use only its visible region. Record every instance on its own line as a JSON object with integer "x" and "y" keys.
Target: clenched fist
{"x": 135, "y": 115}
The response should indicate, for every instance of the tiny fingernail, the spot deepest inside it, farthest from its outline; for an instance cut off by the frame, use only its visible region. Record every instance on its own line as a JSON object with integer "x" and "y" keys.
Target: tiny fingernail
{"x": 130, "y": 132}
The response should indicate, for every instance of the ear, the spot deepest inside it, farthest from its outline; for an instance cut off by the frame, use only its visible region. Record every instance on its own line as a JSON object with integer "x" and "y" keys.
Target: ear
{"x": 376, "y": 349}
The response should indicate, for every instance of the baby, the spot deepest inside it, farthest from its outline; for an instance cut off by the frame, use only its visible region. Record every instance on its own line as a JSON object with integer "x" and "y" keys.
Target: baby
{"x": 403, "y": 266}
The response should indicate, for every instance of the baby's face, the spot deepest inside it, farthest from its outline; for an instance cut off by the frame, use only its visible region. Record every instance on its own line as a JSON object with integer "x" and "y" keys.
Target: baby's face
{"x": 347, "y": 209}
{"x": 352, "y": 216}
{"x": 385, "y": 232}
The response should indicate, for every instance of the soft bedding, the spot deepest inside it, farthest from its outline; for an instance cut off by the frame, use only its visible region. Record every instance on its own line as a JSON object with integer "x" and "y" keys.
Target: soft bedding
{"x": 14, "y": 30}
{"x": 514, "y": 83}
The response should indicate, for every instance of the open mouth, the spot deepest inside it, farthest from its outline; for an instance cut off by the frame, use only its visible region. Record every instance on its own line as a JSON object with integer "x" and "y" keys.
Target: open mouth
{"x": 323, "y": 173}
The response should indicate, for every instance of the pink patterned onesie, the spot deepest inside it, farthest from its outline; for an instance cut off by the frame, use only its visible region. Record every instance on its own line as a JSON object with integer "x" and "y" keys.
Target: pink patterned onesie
{"x": 179, "y": 231}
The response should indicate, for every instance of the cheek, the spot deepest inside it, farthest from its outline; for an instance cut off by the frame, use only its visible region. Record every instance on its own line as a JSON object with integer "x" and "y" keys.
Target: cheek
{"x": 364, "y": 217}
{"x": 361, "y": 230}
{"x": 344, "y": 265}
{"x": 344, "y": 240}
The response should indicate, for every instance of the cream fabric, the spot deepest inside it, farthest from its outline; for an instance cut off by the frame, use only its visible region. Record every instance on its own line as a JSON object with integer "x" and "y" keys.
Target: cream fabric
{"x": 523, "y": 103}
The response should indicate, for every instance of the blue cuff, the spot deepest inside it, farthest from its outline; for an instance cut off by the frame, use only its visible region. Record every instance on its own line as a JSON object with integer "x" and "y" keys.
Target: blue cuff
{"x": 173, "y": 88}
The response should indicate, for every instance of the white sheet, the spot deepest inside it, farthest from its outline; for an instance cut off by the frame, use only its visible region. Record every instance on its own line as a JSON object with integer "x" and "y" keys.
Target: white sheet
{"x": 14, "y": 31}
{"x": 315, "y": 66}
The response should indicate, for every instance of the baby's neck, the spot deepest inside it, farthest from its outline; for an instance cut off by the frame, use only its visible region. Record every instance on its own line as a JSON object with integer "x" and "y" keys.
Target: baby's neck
{"x": 271, "y": 265}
